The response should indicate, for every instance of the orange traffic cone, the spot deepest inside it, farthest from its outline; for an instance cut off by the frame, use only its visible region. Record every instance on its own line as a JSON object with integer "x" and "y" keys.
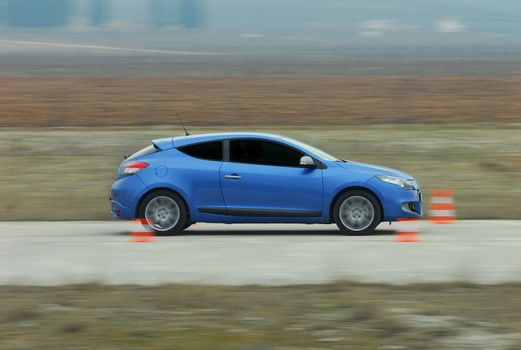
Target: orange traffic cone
{"x": 442, "y": 208}
{"x": 407, "y": 230}
{"x": 138, "y": 234}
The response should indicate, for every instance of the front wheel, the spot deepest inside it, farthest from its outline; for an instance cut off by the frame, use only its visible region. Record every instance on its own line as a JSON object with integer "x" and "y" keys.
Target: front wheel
{"x": 165, "y": 213}
{"x": 187, "y": 224}
{"x": 357, "y": 212}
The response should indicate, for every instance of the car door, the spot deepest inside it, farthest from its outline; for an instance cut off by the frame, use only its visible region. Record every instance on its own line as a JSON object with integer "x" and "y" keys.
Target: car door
{"x": 263, "y": 178}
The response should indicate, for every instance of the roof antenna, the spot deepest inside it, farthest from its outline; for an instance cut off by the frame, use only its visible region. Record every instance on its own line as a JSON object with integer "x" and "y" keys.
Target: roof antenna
{"x": 181, "y": 122}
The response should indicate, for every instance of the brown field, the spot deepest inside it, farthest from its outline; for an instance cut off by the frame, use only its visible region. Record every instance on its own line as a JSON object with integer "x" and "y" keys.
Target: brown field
{"x": 260, "y": 100}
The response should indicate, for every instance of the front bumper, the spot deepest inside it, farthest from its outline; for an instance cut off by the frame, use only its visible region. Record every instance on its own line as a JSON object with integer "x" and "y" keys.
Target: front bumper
{"x": 397, "y": 203}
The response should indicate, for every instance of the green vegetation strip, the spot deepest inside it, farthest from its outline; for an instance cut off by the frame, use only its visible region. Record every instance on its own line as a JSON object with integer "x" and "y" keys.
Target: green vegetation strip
{"x": 66, "y": 173}
{"x": 333, "y": 316}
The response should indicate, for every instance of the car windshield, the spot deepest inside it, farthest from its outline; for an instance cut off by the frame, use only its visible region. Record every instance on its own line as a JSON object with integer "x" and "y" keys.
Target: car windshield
{"x": 311, "y": 149}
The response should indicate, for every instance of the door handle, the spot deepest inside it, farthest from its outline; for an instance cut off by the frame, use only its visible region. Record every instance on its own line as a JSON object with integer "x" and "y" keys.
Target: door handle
{"x": 233, "y": 176}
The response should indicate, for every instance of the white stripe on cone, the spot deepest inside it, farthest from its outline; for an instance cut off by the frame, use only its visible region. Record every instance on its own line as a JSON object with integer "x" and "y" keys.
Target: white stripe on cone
{"x": 444, "y": 213}
{"x": 442, "y": 200}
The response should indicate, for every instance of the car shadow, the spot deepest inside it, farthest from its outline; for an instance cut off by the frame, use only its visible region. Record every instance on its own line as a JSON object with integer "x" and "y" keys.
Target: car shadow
{"x": 196, "y": 232}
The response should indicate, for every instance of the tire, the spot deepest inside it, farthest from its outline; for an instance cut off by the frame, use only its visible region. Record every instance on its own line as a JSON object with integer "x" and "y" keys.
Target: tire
{"x": 165, "y": 213}
{"x": 187, "y": 225}
{"x": 357, "y": 212}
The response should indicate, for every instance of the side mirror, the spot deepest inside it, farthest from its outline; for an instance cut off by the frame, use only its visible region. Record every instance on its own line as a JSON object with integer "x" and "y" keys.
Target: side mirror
{"x": 307, "y": 162}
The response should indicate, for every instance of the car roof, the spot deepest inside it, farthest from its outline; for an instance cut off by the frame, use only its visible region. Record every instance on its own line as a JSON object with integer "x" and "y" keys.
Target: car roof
{"x": 191, "y": 139}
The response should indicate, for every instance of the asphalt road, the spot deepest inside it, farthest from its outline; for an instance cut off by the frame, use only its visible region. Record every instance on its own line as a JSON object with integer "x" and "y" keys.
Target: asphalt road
{"x": 49, "y": 253}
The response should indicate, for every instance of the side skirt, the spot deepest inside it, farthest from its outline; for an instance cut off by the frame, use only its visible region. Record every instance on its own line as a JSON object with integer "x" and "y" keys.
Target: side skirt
{"x": 261, "y": 212}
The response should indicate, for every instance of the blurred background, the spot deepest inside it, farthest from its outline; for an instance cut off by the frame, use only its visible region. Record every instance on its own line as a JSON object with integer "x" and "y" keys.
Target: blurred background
{"x": 431, "y": 87}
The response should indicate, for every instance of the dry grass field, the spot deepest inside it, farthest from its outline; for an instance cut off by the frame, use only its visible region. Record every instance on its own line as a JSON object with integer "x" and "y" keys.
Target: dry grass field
{"x": 259, "y": 100}
{"x": 333, "y": 316}
{"x": 66, "y": 173}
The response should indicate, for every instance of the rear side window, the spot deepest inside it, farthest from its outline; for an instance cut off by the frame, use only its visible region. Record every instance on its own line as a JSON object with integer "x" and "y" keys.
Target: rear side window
{"x": 144, "y": 152}
{"x": 206, "y": 150}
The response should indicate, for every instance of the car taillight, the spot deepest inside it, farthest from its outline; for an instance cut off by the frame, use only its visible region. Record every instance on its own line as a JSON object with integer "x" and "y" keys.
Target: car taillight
{"x": 134, "y": 167}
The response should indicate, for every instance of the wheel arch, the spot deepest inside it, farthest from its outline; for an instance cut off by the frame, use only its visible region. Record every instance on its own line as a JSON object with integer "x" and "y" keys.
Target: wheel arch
{"x": 158, "y": 189}
{"x": 352, "y": 188}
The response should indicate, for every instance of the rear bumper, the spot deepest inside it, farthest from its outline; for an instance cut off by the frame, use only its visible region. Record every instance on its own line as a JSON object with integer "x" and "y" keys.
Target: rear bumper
{"x": 119, "y": 211}
{"x": 125, "y": 195}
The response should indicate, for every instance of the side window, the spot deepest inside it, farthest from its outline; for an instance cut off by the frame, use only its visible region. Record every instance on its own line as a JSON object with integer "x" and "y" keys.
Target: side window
{"x": 263, "y": 153}
{"x": 207, "y": 150}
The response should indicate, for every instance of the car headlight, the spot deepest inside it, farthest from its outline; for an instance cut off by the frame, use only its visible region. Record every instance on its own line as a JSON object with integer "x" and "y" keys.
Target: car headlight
{"x": 398, "y": 181}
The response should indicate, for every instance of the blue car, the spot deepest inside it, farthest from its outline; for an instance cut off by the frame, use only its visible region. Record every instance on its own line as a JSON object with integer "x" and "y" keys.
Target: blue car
{"x": 256, "y": 178}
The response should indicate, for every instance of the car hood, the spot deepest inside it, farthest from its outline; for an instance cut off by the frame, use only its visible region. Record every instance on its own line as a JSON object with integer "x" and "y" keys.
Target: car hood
{"x": 374, "y": 170}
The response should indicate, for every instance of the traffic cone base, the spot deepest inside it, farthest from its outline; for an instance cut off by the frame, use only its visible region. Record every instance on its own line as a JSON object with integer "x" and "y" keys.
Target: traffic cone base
{"x": 407, "y": 231}
{"x": 407, "y": 237}
{"x": 138, "y": 235}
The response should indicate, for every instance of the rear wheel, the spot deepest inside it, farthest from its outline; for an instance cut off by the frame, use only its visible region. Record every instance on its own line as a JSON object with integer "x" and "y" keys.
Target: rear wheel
{"x": 357, "y": 212}
{"x": 165, "y": 213}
